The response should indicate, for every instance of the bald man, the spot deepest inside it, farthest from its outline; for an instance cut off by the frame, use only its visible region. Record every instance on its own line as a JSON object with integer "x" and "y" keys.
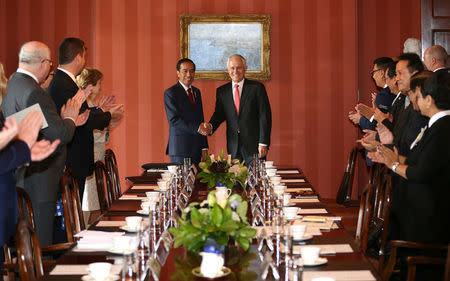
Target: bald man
{"x": 41, "y": 179}
{"x": 435, "y": 58}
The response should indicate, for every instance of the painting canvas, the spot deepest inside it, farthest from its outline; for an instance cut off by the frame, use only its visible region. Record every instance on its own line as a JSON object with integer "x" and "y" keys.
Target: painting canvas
{"x": 209, "y": 40}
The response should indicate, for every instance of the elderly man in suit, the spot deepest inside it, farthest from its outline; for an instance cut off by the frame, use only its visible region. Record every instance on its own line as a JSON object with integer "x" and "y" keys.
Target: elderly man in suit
{"x": 184, "y": 110}
{"x": 245, "y": 106}
{"x": 41, "y": 179}
{"x": 80, "y": 151}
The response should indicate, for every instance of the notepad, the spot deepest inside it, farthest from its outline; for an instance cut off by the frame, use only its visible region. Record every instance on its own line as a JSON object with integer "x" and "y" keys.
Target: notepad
{"x": 80, "y": 269}
{"x": 20, "y": 115}
{"x": 285, "y": 172}
{"x": 140, "y": 187}
{"x": 303, "y": 200}
{"x": 340, "y": 275}
{"x": 293, "y": 180}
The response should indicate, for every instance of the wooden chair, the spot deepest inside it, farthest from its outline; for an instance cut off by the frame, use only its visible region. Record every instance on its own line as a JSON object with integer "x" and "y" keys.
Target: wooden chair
{"x": 104, "y": 186}
{"x": 436, "y": 249}
{"x": 73, "y": 214}
{"x": 28, "y": 252}
{"x": 113, "y": 172}
{"x": 345, "y": 189}
{"x": 413, "y": 261}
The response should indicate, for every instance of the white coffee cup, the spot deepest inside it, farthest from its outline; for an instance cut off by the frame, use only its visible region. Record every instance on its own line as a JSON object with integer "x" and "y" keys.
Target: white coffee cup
{"x": 172, "y": 169}
{"x": 271, "y": 172}
{"x": 290, "y": 212}
{"x": 122, "y": 243}
{"x": 163, "y": 185}
{"x": 276, "y": 180}
{"x": 145, "y": 206}
{"x": 268, "y": 164}
{"x": 309, "y": 254}
{"x": 279, "y": 189}
{"x": 286, "y": 199}
{"x": 153, "y": 195}
{"x": 133, "y": 222}
{"x": 297, "y": 231}
{"x": 99, "y": 270}
{"x": 166, "y": 176}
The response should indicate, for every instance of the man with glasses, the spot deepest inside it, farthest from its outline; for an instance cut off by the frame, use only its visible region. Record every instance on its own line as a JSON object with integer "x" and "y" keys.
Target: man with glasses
{"x": 41, "y": 179}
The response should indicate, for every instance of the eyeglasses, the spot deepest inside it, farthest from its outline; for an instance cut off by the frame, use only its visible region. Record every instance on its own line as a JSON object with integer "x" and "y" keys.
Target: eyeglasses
{"x": 373, "y": 71}
{"x": 49, "y": 61}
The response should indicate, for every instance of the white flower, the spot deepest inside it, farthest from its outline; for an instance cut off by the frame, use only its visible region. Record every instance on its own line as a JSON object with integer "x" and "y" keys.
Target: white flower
{"x": 235, "y": 169}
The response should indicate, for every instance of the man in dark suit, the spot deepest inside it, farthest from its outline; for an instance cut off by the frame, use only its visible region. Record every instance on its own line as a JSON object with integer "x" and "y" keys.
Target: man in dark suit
{"x": 41, "y": 179}
{"x": 245, "y": 106}
{"x": 435, "y": 58}
{"x": 12, "y": 155}
{"x": 184, "y": 110}
{"x": 80, "y": 151}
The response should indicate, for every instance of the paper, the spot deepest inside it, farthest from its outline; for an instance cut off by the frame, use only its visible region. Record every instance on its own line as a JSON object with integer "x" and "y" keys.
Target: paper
{"x": 341, "y": 275}
{"x": 97, "y": 233}
{"x": 309, "y": 230}
{"x": 305, "y": 200}
{"x": 80, "y": 269}
{"x": 111, "y": 223}
{"x": 20, "y": 115}
{"x": 328, "y": 249}
{"x": 96, "y": 240}
{"x": 140, "y": 187}
{"x": 282, "y": 172}
{"x": 162, "y": 170}
{"x": 312, "y": 211}
{"x": 132, "y": 197}
{"x": 292, "y": 180}
{"x": 324, "y": 225}
{"x": 298, "y": 189}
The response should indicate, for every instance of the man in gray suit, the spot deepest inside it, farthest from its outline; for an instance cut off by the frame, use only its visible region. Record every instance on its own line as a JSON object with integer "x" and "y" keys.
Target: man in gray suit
{"x": 41, "y": 179}
{"x": 245, "y": 107}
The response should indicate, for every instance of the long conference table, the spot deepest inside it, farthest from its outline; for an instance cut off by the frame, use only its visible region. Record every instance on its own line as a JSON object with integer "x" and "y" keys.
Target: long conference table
{"x": 344, "y": 259}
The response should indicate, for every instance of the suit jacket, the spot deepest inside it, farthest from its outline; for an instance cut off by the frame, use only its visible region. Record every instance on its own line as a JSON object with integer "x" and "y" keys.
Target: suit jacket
{"x": 11, "y": 156}
{"x": 80, "y": 151}
{"x": 254, "y": 123}
{"x": 22, "y": 92}
{"x": 426, "y": 192}
{"x": 184, "y": 121}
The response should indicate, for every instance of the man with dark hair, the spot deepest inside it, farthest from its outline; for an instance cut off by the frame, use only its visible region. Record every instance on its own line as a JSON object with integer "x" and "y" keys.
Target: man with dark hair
{"x": 80, "y": 152}
{"x": 184, "y": 110}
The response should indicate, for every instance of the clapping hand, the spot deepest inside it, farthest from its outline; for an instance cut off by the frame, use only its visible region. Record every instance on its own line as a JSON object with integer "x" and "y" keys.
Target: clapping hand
{"x": 365, "y": 110}
{"x": 384, "y": 155}
{"x": 205, "y": 129}
{"x": 379, "y": 115}
{"x": 354, "y": 117}
{"x": 9, "y": 131}
{"x": 386, "y": 136}
{"x": 82, "y": 118}
{"x": 42, "y": 149}
{"x": 29, "y": 128}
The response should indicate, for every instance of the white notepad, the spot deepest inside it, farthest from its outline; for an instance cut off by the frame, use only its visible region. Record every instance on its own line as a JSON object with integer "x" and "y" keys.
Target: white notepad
{"x": 20, "y": 115}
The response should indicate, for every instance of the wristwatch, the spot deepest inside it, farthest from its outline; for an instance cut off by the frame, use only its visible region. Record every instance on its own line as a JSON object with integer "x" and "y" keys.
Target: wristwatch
{"x": 394, "y": 166}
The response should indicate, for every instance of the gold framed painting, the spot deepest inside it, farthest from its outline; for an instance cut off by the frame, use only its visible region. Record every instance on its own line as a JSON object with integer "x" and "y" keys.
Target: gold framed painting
{"x": 209, "y": 40}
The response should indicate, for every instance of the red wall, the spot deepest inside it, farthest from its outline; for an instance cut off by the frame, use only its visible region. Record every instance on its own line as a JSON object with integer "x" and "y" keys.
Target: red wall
{"x": 315, "y": 56}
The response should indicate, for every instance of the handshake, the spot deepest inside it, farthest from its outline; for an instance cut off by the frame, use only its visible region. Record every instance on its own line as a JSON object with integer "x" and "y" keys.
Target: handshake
{"x": 205, "y": 129}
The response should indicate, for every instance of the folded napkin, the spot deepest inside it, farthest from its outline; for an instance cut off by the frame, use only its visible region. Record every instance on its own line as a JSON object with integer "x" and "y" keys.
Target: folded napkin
{"x": 328, "y": 249}
{"x": 309, "y": 231}
{"x": 321, "y": 224}
{"x": 96, "y": 240}
{"x": 292, "y": 180}
{"x": 80, "y": 269}
{"x": 97, "y": 233}
{"x": 298, "y": 189}
{"x": 349, "y": 275}
{"x": 312, "y": 211}
{"x": 304, "y": 200}
{"x": 111, "y": 223}
{"x": 132, "y": 197}
{"x": 140, "y": 187}
{"x": 283, "y": 172}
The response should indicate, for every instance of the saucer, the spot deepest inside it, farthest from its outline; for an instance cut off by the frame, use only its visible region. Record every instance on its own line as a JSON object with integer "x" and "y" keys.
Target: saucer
{"x": 143, "y": 212}
{"x": 111, "y": 277}
{"x": 304, "y": 238}
{"x": 128, "y": 229}
{"x": 119, "y": 251}
{"x": 225, "y": 271}
{"x": 319, "y": 261}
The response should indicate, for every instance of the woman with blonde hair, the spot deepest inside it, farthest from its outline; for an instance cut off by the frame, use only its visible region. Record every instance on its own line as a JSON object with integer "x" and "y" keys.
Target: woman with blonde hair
{"x": 92, "y": 76}
{"x": 3, "y": 82}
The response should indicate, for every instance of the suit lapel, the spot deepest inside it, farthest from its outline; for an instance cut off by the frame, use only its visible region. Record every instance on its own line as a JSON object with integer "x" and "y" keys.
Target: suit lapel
{"x": 244, "y": 95}
{"x": 228, "y": 99}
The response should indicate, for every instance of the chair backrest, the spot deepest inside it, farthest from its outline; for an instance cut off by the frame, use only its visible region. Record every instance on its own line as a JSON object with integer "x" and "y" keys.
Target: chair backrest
{"x": 28, "y": 252}
{"x": 104, "y": 186}
{"x": 345, "y": 189}
{"x": 25, "y": 206}
{"x": 73, "y": 214}
{"x": 113, "y": 172}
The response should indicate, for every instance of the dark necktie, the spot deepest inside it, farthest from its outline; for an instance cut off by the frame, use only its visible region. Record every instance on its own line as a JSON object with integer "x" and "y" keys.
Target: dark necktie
{"x": 191, "y": 97}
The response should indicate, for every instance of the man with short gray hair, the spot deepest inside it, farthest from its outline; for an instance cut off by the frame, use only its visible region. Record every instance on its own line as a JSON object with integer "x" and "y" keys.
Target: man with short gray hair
{"x": 41, "y": 179}
{"x": 435, "y": 58}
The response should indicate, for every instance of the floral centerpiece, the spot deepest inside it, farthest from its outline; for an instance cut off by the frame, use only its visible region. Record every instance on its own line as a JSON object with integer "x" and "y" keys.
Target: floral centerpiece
{"x": 222, "y": 171}
{"x": 217, "y": 218}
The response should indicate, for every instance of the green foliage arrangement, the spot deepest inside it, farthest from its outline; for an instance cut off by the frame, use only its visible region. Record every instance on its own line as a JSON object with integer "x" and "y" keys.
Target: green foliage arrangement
{"x": 218, "y": 220}
{"x": 222, "y": 171}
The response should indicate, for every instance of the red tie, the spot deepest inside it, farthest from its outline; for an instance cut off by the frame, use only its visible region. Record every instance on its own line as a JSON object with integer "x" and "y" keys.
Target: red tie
{"x": 236, "y": 98}
{"x": 191, "y": 98}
